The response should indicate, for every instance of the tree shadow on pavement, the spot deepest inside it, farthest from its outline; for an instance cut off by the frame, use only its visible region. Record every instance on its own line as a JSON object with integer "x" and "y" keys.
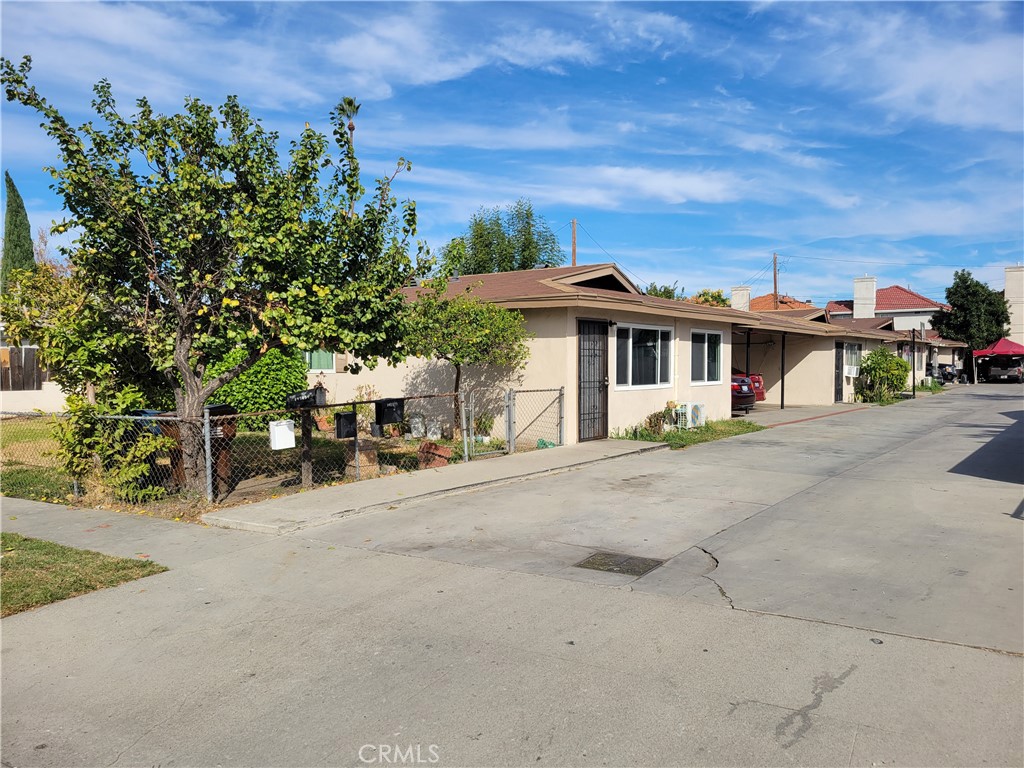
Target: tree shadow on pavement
{"x": 1000, "y": 458}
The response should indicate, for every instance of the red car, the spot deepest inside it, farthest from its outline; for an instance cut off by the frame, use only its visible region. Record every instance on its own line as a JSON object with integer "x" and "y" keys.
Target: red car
{"x": 758, "y": 382}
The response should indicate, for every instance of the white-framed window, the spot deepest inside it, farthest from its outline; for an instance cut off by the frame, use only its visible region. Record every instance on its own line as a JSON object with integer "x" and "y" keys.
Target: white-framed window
{"x": 853, "y": 354}
{"x": 320, "y": 361}
{"x": 706, "y": 357}
{"x": 851, "y": 360}
{"x": 643, "y": 356}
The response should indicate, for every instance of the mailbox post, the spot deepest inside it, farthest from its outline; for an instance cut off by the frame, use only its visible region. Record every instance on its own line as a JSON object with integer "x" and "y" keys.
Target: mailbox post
{"x": 304, "y": 402}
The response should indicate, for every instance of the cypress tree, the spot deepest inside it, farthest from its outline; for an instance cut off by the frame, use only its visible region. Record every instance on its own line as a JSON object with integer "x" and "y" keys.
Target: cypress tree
{"x": 17, "y": 235}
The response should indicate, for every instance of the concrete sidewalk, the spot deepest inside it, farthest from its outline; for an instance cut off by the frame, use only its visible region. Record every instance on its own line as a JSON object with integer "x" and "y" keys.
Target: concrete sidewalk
{"x": 324, "y": 505}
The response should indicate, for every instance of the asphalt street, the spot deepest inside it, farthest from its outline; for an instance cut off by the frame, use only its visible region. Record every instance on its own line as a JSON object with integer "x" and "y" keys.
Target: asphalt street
{"x": 844, "y": 591}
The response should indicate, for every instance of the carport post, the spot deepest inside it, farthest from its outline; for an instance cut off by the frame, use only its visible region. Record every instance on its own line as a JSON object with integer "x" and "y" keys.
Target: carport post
{"x": 782, "y": 398}
{"x": 746, "y": 369}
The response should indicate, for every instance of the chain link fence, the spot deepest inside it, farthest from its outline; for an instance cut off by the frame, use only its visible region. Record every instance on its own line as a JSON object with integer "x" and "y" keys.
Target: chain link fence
{"x": 29, "y": 467}
{"x": 233, "y": 458}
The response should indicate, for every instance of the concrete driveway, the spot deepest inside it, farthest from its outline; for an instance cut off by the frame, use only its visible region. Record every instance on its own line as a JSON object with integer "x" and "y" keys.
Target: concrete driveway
{"x": 865, "y": 609}
{"x": 882, "y": 518}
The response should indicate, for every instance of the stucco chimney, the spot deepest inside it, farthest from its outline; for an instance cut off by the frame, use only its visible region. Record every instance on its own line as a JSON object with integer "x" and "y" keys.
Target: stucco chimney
{"x": 740, "y": 297}
{"x": 1014, "y": 295}
{"x": 863, "y": 297}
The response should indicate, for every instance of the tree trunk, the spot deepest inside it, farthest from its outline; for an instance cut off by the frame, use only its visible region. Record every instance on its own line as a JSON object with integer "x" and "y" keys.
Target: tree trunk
{"x": 456, "y": 422}
{"x": 193, "y": 444}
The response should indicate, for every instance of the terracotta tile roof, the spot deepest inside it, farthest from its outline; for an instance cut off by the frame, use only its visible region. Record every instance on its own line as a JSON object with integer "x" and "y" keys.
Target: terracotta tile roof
{"x": 839, "y": 307}
{"x": 895, "y": 298}
{"x": 767, "y": 303}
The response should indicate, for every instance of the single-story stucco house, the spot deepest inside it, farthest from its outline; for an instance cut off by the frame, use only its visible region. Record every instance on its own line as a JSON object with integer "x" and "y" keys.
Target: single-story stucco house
{"x": 620, "y": 355}
{"x": 821, "y": 353}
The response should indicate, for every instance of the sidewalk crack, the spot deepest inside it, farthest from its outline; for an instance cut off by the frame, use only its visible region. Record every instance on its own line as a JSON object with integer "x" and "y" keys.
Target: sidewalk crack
{"x": 721, "y": 591}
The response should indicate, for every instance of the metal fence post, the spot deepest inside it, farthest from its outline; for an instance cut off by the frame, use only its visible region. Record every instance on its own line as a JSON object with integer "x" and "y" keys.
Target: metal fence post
{"x": 209, "y": 455}
{"x": 471, "y": 420}
{"x": 510, "y": 420}
{"x": 355, "y": 438}
{"x": 465, "y": 433}
{"x": 561, "y": 415}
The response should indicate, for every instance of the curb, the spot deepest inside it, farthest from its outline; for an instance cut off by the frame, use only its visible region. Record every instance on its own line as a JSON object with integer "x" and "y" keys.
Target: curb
{"x": 291, "y": 526}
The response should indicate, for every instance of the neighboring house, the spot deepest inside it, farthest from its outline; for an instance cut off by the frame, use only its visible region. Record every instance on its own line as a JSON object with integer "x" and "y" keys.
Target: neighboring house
{"x": 25, "y": 384}
{"x": 619, "y": 354}
{"x": 923, "y": 349}
{"x": 804, "y": 357}
{"x": 906, "y": 308}
{"x": 770, "y": 302}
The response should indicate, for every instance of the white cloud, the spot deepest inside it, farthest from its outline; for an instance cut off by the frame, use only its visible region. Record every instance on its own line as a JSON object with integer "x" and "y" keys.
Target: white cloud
{"x": 912, "y": 62}
{"x": 626, "y": 28}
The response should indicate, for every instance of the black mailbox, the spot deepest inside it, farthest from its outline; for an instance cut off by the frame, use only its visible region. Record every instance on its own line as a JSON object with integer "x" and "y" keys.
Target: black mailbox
{"x": 307, "y": 398}
{"x": 344, "y": 425}
{"x": 221, "y": 429}
{"x": 389, "y": 410}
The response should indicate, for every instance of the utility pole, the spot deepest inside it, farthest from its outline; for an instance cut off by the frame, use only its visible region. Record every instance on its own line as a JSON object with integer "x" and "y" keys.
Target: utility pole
{"x": 913, "y": 362}
{"x": 775, "y": 279}
{"x": 574, "y": 242}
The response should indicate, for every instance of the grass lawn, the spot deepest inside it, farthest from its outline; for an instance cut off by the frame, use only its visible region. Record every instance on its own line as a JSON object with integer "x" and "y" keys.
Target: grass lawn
{"x": 35, "y": 572}
{"x": 27, "y": 471}
{"x": 712, "y": 430}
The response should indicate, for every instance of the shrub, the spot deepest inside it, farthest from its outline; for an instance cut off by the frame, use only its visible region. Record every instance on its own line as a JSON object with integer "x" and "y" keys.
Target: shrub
{"x": 113, "y": 456}
{"x": 883, "y": 376}
{"x": 264, "y": 386}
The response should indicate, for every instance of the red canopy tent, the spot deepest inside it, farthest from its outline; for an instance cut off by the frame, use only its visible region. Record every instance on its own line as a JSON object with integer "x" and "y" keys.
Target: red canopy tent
{"x": 1001, "y": 347}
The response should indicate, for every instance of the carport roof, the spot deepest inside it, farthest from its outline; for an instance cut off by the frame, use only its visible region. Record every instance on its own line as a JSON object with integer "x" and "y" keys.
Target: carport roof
{"x": 818, "y": 323}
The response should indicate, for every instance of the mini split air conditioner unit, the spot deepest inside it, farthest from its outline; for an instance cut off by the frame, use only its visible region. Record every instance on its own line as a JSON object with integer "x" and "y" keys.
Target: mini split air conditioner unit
{"x": 690, "y": 415}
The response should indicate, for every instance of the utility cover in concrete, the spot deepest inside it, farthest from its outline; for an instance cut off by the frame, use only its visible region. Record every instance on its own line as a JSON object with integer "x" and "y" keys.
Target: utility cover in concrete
{"x": 616, "y": 563}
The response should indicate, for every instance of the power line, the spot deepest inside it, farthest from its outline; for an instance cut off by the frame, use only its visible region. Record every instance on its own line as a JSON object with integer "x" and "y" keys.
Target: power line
{"x": 901, "y": 263}
{"x": 640, "y": 280}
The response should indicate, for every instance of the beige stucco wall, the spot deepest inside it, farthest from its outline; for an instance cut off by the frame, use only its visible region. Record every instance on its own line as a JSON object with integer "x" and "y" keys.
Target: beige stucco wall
{"x": 553, "y": 363}
{"x": 49, "y": 399}
{"x": 810, "y": 366}
{"x": 910, "y": 321}
{"x": 630, "y": 406}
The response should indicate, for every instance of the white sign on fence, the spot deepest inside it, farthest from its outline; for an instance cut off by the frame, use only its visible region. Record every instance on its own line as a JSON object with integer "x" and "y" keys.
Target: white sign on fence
{"x": 282, "y": 434}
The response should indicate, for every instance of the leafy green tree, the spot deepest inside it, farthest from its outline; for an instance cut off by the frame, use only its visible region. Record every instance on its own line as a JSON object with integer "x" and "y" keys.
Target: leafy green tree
{"x": 666, "y": 291}
{"x": 462, "y": 330}
{"x": 264, "y": 386}
{"x": 506, "y": 241}
{"x": 195, "y": 239}
{"x": 977, "y": 315}
{"x": 711, "y": 298}
{"x": 18, "y": 253}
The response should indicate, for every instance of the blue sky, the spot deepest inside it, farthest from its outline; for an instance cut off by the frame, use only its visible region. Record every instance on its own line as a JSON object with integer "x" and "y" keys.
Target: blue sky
{"x": 690, "y": 140}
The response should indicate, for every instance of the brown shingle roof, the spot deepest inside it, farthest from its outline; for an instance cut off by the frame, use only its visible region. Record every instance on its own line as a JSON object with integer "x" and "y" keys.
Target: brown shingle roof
{"x": 561, "y": 286}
